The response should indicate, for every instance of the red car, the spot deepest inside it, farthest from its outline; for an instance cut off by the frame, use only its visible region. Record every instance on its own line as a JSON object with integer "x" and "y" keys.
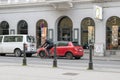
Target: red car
{"x": 64, "y": 49}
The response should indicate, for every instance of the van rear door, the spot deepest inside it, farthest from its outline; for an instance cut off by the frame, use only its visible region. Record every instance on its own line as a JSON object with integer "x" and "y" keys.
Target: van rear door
{"x": 31, "y": 43}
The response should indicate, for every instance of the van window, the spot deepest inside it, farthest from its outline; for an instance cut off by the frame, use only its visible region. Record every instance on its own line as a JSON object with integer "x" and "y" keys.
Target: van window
{"x": 18, "y": 38}
{"x": 1, "y": 38}
{"x": 30, "y": 39}
{"x": 13, "y": 38}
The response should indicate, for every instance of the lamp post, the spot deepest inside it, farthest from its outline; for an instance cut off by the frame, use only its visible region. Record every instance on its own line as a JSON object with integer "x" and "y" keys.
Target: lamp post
{"x": 90, "y": 57}
{"x": 24, "y": 55}
{"x": 55, "y": 57}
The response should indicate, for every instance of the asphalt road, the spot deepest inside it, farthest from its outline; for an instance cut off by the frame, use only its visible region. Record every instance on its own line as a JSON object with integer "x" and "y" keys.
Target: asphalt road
{"x": 76, "y": 64}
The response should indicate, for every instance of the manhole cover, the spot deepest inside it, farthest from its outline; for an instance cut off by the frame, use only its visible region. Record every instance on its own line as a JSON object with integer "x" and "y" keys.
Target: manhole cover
{"x": 70, "y": 74}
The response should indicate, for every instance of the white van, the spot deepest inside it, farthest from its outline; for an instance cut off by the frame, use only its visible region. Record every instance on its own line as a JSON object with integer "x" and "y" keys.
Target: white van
{"x": 14, "y": 44}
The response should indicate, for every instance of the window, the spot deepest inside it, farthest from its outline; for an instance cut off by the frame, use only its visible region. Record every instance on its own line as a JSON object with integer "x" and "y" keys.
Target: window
{"x": 75, "y": 44}
{"x": 30, "y": 39}
{"x": 63, "y": 44}
{"x": 13, "y": 39}
{"x": 4, "y": 28}
{"x": 22, "y": 27}
{"x": 18, "y": 38}
{"x": 8, "y": 39}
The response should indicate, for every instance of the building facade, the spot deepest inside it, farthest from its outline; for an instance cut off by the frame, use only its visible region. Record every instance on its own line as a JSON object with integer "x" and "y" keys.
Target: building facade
{"x": 83, "y": 21}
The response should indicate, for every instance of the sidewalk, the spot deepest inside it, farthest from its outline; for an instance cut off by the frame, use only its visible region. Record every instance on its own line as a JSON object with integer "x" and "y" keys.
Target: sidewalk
{"x": 111, "y": 57}
{"x": 15, "y": 71}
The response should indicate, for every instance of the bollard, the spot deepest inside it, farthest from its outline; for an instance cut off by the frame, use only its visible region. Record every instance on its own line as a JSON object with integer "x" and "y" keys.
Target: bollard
{"x": 90, "y": 58}
{"x": 55, "y": 57}
{"x": 24, "y": 55}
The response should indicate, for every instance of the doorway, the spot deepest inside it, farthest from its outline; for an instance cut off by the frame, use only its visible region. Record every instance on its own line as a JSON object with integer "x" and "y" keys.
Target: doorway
{"x": 113, "y": 33}
{"x": 65, "y": 29}
{"x": 87, "y": 32}
{"x": 41, "y": 32}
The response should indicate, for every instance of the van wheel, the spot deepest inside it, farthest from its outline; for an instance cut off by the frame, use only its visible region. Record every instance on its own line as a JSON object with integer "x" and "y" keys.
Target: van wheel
{"x": 17, "y": 52}
{"x": 69, "y": 55}
{"x": 42, "y": 54}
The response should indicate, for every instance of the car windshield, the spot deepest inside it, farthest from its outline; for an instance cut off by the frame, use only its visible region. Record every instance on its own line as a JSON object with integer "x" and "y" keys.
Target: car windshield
{"x": 75, "y": 44}
{"x": 30, "y": 39}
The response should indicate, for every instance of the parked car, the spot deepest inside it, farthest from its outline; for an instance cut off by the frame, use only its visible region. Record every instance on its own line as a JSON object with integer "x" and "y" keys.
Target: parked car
{"x": 66, "y": 49}
{"x": 13, "y": 44}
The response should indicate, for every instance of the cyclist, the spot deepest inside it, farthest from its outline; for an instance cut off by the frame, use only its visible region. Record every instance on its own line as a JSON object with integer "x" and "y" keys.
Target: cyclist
{"x": 48, "y": 45}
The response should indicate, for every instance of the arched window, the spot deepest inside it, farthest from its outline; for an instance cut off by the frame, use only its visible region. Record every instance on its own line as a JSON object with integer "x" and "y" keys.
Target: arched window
{"x": 113, "y": 33}
{"x": 4, "y": 28}
{"x": 65, "y": 29}
{"x": 41, "y": 31}
{"x": 22, "y": 27}
{"x": 87, "y": 32}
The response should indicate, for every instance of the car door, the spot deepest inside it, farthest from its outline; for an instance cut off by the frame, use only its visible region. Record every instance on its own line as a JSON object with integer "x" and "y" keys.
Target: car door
{"x": 58, "y": 49}
{"x": 61, "y": 48}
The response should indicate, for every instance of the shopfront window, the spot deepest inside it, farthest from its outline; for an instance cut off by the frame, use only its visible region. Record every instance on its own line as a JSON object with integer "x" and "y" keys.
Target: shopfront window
{"x": 4, "y": 28}
{"x": 22, "y": 27}
{"x": 113, "y": 33}
{"x": 87, "y": 32}
{"x": 65, "y": 29}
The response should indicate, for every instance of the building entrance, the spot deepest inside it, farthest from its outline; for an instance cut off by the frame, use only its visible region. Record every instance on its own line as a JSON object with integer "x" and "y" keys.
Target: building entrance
{"x": 87, "y": 32}
{"x": 65, "y": 29}
{"x": 66, "y": 34}
{"x": 41, "y": 32}
{"x": 113, "y": 33}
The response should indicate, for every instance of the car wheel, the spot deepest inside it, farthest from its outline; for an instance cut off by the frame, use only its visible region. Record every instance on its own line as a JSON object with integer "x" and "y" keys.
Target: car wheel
{"x": 42, "y": 54}
{"x": 69, "y": 55}
{"x": 17, "y": 52}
